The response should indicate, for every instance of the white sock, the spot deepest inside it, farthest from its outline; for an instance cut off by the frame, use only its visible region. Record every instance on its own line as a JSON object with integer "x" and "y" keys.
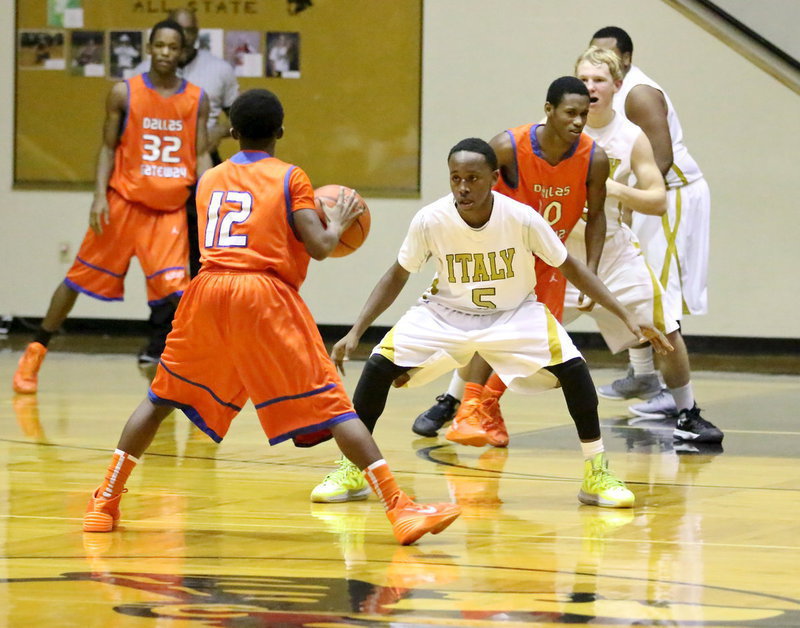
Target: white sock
{"x": 456, "y": 389}
{"x": 591, "y": 449}
{"x": 683, "y": 396}
{"x": 642, "y": 360}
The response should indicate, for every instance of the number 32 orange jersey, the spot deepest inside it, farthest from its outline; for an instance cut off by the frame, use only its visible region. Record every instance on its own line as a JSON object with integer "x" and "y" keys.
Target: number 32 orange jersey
{"x": 155, "y": 162}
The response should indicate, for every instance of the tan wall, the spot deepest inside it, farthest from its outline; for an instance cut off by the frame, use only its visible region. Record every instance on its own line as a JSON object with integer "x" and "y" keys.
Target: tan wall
{"x": 486, "y": 66}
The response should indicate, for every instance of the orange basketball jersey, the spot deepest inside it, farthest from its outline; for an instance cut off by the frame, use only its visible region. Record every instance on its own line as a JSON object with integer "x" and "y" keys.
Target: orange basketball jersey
{"x": 557, "y": 192}
{"x": 245, "y": 210}
{"x": 155, "y": 162}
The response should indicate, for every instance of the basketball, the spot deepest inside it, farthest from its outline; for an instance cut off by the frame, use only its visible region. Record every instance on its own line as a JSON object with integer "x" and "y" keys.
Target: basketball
{"x": 355, "y": 234}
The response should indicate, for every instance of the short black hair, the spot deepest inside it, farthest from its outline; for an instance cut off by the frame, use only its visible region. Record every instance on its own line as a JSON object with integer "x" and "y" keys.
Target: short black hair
{"x": 172, "y": 24}
{"x": 476, "y": 145}
{"x": 624, "y": 43}
{"x": 257, "y": 114}
{"x": 565, "y": 85}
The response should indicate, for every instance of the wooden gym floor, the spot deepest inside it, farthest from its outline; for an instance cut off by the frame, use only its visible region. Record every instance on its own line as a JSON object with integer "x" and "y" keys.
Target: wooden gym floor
{"x": 225, "y": 536}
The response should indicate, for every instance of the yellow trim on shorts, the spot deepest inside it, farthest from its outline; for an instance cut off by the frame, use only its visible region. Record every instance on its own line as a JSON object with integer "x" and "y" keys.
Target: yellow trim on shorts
{"x": 679, "y": 173}
{"x": 386, "y": 348}
{"x": 556, "y": 354}
{"x": 658, "y": 301}
{"x": 670, "y": 235}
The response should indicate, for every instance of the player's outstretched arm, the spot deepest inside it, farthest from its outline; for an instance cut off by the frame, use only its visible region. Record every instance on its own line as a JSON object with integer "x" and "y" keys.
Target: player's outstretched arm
{"x": 587, "y": 282}
{"x": 116, "y": 104}
{"x": 650, "y": 194}
{"x": 320, "y": 240}
{"x": 382, "y": 296}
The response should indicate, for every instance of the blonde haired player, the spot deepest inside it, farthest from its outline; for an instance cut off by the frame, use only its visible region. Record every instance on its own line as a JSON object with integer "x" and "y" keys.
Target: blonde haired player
{"x": 623, "y": 268}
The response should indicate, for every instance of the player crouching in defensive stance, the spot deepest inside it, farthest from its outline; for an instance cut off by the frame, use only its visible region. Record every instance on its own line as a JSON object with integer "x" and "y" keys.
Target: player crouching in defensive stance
{"x": 243, "y": 332}
{"x": 481, "y": 301}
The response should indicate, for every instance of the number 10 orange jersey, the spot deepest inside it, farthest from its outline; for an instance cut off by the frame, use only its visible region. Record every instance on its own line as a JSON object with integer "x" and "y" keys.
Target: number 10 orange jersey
{"x": 557, "y": 192}
{"x": 155, "y": 162}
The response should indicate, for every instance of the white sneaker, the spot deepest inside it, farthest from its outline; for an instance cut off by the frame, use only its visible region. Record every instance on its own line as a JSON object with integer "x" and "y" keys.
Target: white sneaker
{"x": 662, "y": 406}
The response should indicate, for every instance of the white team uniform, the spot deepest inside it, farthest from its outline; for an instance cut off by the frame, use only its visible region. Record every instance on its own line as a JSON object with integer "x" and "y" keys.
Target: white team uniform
{"x": 676, "y": 244}
{"x": 481, "y": 299}
{"x": 623, "y": 268}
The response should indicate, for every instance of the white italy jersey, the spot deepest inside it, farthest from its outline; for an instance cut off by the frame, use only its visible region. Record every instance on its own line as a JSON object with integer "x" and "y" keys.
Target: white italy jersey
{"x": 684, "y": 168}
{"x": 617, "y": 139}
{"x": 480, "y": 270}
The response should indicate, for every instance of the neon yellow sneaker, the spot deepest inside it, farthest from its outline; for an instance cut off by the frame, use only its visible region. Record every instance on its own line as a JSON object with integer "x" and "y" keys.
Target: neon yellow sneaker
{"x": 601, "y": 487}
{"x": 346, "y": 484}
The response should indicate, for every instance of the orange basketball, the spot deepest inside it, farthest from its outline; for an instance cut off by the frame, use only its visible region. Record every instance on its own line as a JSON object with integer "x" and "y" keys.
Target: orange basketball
{"x": 355, "y": 234}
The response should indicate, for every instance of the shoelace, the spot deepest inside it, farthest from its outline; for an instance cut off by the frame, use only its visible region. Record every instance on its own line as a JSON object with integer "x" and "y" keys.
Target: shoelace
{"x": 604, "y": 477}
{"x": 490, "y": 420}
{"x": 474, "y": 416}
{"x": 692, "y": 417}
{"x": 342, "y": 471}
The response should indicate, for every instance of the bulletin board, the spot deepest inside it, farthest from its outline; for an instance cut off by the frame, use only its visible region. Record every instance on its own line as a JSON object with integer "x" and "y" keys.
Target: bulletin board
{"x": 351, "y": 93}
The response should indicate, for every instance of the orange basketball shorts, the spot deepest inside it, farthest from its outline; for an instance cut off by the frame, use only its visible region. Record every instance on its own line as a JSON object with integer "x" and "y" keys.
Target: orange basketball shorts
{"x": 239, "y": 336}
{"x": 158, "y": 239}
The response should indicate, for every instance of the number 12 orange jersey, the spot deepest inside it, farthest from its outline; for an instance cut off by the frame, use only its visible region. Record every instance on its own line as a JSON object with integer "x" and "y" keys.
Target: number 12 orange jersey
{"x": 245, "y": 218}
{"x": 155, "y": 162}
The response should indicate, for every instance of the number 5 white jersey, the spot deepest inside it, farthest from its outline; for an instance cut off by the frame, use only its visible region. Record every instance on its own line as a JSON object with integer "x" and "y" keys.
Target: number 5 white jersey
{"x": 480, "y": 270}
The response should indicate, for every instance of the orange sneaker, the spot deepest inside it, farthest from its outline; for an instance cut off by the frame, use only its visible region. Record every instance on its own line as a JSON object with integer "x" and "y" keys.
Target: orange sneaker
{"x": 411, "y": 520}
{"x": 102, "y": 514}
{"x": 26, "y": 377}
{"x": 493, "y": 423}
{"x": 26, "y": 408}
{"x": 467, "y": 426}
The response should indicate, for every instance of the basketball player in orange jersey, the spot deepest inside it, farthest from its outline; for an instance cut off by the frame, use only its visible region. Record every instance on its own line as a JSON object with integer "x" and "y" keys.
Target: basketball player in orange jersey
{"x": 557, "y": 170}
{"x": 153, "y": 149}
{"x": 242, "y": 331}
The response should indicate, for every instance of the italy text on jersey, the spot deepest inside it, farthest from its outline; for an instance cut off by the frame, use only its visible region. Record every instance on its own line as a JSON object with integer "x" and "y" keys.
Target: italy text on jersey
{"x": 474, "y": 267}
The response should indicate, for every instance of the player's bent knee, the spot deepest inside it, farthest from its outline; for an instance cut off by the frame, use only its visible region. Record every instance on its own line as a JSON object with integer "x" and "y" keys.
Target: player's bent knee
{"x": 576, "y": 382}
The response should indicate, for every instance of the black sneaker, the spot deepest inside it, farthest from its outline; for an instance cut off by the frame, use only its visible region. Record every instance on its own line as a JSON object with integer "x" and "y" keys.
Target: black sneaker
{"x": 691, "y": 426}
{"x": 146, "y": 358}
{"x": 430, "y": 422}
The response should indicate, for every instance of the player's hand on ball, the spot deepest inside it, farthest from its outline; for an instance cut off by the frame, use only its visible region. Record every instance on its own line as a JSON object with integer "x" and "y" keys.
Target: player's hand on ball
{"x": 346, "y": 209}
{"x": 341, "y": 351}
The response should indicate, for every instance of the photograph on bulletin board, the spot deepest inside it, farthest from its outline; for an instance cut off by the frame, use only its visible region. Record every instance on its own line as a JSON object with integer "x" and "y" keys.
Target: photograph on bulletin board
{"x": 41, "y": 50}
{"x": 352, "y": 104}
{"x": 283, "y": 55}
{"x": 87, "y": 53}
{"x": 125, "y": 53}
{"x": 243, "y": 50}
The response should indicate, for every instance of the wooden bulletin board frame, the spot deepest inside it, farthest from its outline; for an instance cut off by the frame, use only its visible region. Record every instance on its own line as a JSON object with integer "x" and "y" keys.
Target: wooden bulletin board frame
{"x": 352, "y": 108}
